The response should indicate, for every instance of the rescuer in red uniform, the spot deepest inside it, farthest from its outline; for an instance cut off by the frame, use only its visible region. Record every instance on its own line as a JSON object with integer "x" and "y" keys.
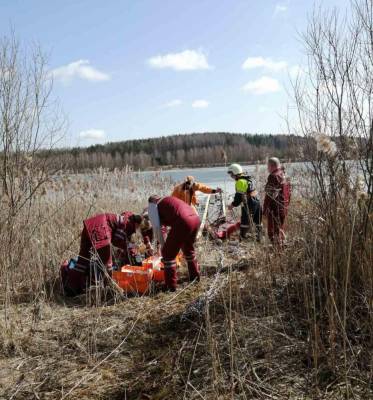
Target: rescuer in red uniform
{"x": 184, "y": 223}
{"x": 276, "y": 202}
{"x": 98, "y": 233}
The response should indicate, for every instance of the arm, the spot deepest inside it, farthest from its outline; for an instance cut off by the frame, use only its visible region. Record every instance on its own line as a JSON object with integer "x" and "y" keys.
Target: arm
{"x": 240, "y": 195}
{"x": 147, "y": 236}
{"x": 238, "y": 199}
{"x": 200, "y": 187}
{"x": 119, "y": 239}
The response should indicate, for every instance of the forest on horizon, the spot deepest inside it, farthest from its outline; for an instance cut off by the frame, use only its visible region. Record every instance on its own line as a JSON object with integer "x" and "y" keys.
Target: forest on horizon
{"x": 184, "y": 150}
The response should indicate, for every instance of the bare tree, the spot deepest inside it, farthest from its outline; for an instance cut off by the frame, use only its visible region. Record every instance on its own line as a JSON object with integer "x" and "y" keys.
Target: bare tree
{"x": 334, "y": 103}
{"x": 31, "y": 124}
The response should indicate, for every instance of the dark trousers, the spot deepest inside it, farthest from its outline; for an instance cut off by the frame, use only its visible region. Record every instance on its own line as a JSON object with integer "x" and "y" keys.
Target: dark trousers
{"x": 251, "y": 216}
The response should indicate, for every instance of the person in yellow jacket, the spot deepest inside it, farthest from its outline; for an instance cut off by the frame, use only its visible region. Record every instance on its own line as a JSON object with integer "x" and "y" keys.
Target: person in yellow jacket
{"x": 186, "y": 191}
{"x": 247, "y": 197}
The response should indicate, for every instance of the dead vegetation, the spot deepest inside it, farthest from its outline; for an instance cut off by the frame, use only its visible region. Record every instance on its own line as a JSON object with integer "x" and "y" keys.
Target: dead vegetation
{"x": 261, "y": 324}
{"x": 240, "y": 333}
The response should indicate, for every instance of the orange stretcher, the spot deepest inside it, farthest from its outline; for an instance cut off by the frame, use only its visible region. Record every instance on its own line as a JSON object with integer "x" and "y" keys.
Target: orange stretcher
{"x": 140, "y": 279}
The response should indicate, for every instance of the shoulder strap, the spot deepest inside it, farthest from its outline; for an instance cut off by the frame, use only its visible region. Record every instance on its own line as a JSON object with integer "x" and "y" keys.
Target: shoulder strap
{"x": 251, "y": 183}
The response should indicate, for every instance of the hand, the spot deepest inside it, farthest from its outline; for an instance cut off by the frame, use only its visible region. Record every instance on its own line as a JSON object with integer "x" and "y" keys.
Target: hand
{"x": 218, "y": 190}
{"x": 230, "y": 207}
{"x": 149, "y": 251}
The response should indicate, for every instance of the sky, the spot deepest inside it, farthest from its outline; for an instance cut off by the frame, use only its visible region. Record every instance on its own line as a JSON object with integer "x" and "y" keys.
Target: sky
{"x": 145, "y": 68}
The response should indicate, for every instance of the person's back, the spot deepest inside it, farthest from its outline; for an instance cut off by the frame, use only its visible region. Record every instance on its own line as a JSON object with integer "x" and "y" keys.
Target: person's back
{"x": 183, "y": 193}
{"x": 173, "y": 211}
{"x": 186, "y": 191}
{"x": 100, "y": 228}
{"x": 245, "y": 185}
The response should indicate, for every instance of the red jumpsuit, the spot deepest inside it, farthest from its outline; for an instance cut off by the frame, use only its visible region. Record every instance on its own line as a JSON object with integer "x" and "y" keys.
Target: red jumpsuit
{"x": 98, "y": 233}
{"x": 184, "y": 224}
{"x": 276, "y": 204}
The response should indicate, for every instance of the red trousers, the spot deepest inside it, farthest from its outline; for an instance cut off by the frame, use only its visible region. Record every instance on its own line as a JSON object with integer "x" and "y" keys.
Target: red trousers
{"x": 181, "y": 237}
{"x": 104, "y": 254}
{"x": 276, "y": 228}
{"x": 74, "y": 282}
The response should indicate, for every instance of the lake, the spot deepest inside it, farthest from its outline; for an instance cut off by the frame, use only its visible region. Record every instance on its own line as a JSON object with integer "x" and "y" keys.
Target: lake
{"x": 218, "y": 176}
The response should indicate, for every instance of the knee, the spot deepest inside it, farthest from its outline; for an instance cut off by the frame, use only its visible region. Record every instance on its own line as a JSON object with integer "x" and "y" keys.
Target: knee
{"x": 169, "y": 263}
{"x": 190, "y": 258}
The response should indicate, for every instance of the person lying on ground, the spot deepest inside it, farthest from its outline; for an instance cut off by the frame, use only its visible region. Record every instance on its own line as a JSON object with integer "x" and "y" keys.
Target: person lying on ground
{"x": 184, "y": 223}
{"x": 276, "y": 201}
{"x": 246, "y": 196}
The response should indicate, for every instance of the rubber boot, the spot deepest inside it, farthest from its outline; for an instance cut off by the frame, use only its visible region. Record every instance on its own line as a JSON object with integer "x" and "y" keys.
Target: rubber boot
{"x": 193, "y": 269}
{"x": 259, "y": 233}
{"x": 244, "y": 232}
{"x": 170, "y": 278}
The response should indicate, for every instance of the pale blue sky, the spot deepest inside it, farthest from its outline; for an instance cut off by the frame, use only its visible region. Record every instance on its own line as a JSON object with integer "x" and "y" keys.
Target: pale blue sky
{"x": 146, "y": 68}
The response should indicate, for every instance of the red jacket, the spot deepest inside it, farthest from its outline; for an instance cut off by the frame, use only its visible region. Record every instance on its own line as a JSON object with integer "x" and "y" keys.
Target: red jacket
{"x": 175, "y": 212}
{"x": 104, "y": 229}
{"x": 277, "y": 193}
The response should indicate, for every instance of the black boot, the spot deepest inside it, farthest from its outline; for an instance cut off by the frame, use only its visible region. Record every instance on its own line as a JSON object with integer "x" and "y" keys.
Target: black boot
{"x": 259, "y": 233}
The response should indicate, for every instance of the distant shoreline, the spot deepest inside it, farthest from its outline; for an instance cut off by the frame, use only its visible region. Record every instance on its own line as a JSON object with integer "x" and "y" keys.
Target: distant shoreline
{"x": 213, "y": 165}
{"x": 163, "y": 168}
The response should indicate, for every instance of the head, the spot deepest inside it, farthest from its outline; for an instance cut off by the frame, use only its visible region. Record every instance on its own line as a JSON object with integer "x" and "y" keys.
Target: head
{"x": 189, "y": 182}
{"x": 273, "y": 164}
{"x": 235, "y": 171}
{"x": 154, "y": 199}
{"x": 137, "y": 220}
{"x": 145, "y": 224}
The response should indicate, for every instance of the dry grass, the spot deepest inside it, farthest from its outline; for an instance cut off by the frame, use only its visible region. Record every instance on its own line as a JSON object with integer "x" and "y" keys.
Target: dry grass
{"x": 243, "y": 332}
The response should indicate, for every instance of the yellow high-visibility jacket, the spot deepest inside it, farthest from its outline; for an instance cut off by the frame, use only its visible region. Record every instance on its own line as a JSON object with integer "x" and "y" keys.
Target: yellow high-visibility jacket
{"x": 189, "y": 196}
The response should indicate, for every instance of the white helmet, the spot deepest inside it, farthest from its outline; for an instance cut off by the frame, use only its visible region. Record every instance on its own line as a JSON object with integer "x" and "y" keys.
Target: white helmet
{"x": 235, "y": 169}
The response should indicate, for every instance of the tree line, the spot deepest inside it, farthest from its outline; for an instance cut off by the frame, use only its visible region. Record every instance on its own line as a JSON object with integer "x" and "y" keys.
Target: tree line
{"x": 197, "y": 149}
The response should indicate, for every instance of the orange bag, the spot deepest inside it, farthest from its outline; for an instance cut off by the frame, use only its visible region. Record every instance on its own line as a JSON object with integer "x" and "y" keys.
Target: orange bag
{"x": 156, "y": 265}
{"x": 134, "y": 279}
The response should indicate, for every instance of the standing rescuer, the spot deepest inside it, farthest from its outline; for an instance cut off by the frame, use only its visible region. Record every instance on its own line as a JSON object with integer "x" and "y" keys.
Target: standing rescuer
{"x": 186, "y": 191}
{"x": 276, "y": 201}
{"x": 246, "y": 196}
{"x": 184, "y": 223}
{"x": 98, "y": 233}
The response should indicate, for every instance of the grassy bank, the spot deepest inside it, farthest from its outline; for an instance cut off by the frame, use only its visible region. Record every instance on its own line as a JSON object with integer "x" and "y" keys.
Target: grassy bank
{"x": 259, "y": 325}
